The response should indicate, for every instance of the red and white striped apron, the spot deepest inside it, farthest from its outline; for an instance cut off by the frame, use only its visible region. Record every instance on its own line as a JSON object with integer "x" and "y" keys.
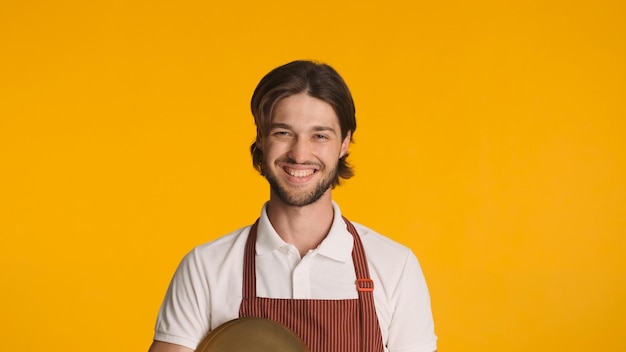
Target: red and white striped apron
{"x": 325, "y": 325}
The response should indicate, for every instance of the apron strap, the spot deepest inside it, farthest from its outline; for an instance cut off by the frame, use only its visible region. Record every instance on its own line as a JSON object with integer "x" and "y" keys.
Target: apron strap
{"x": 249, "y": 264}
{"x": 370, "y": 328}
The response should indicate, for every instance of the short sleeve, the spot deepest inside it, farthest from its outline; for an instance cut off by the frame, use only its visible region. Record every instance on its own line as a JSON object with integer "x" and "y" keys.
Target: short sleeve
{"x": 183, "y": 317}
{"x": 412, "y": 327}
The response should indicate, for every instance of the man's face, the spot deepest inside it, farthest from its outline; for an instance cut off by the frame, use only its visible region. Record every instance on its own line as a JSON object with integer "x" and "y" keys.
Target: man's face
{"x": 302, "y": 150}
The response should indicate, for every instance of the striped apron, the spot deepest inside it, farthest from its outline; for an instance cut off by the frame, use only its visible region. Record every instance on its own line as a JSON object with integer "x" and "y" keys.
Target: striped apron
{"x": 344, "y": 325}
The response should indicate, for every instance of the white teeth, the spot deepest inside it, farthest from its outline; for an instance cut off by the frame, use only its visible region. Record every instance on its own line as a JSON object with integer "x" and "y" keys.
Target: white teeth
{"x": 300, "y": 173}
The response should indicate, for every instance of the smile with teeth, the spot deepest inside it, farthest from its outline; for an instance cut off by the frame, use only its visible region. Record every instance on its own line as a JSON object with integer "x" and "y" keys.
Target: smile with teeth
{"x": 300, "y": 173}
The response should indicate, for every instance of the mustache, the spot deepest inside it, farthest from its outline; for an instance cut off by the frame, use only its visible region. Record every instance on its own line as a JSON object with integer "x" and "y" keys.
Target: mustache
{"x": 288, "y": 160}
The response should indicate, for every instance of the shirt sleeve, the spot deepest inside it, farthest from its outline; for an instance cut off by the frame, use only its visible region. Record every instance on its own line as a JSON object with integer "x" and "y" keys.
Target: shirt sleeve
{"x": 183, "y": 317}
{"x": 412, "y": 328}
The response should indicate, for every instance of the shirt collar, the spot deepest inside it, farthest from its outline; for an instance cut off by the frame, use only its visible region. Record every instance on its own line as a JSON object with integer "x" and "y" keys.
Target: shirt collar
{"x": 337, "y": 245}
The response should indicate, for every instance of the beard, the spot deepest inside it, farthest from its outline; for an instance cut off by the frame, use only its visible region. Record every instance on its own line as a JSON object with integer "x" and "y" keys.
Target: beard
{"x": 300, "y": 198}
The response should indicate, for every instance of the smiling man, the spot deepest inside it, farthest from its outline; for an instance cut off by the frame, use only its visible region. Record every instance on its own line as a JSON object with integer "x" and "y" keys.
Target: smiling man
{"x": 338, "y": 286}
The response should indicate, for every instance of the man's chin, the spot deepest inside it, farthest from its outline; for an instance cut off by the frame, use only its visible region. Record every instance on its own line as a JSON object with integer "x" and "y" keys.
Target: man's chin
{"x": 299, "y": 195}
{"x": 300, "y": 198}
{"x": 295, "y": 201}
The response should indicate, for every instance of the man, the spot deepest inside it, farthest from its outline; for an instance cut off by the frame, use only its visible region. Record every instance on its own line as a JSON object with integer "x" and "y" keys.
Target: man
{"x": 340, "y": 287}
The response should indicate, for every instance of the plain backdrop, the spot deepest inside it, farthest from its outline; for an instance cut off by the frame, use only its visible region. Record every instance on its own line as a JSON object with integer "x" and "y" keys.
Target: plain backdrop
{"x": 491, "y": 140}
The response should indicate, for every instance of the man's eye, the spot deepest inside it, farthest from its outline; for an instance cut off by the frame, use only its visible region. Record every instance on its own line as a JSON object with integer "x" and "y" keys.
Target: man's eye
{"x": 321, "y": 136}
{"x": 281, "y": 133}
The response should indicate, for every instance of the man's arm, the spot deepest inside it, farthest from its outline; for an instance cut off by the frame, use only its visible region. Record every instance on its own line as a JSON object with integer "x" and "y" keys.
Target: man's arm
{"x": 159, "y": 346}
{"x": 183, "y": 317}
{"x": 412, "y": 324}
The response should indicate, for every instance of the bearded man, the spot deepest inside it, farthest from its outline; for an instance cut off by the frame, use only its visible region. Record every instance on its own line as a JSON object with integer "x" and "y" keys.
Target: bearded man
{"x": 338, "y": 286}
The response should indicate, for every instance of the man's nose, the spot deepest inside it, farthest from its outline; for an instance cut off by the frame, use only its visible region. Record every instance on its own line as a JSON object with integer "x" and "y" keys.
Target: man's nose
{"x": 299, "y": 150}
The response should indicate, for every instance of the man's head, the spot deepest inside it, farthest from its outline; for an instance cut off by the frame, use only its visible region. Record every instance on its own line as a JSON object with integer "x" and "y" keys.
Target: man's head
{"x": 316, "y": 80}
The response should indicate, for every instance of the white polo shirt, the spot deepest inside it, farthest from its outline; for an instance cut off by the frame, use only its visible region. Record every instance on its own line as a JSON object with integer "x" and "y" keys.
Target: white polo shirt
{"x": 206, "y": 288}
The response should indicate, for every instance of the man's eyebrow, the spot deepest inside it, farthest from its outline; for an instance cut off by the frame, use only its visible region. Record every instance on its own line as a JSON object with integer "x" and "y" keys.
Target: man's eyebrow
{"x": 324, "y": 128}
{"x": 314, "y": 128}
{"x": 280, "y": 125}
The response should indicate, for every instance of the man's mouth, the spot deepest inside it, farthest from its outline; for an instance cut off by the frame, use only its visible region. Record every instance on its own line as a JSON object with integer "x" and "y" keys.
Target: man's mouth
{"x": 299, "y": 173}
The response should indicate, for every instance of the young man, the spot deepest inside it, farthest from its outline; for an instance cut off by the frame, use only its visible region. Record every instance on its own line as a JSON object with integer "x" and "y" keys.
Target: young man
{"x": 340, "y": 287}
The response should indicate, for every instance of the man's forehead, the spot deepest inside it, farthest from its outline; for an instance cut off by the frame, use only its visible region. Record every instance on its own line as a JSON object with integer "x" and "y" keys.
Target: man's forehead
{"x": 304, "y": 110}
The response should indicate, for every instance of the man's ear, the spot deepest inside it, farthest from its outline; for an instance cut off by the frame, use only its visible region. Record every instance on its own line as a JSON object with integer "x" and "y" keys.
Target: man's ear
{"x": 345, "y": 144}
{"x": 259, "y": 141}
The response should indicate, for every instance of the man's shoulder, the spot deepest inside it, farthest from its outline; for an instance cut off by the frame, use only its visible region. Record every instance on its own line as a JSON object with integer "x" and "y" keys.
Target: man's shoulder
{"x": 216, "y": 260}
{"x": 388, "y": 260}
{"x": 222, "y": 246}
{"x": 373, "y": 240}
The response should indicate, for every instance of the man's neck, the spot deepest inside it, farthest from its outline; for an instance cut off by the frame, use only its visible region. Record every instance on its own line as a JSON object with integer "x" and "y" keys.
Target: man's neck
{"x": 304, "y": 227}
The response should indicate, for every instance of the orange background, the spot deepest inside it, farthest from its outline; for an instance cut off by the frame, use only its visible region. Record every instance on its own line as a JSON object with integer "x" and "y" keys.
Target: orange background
{"x": 491, "y": 140}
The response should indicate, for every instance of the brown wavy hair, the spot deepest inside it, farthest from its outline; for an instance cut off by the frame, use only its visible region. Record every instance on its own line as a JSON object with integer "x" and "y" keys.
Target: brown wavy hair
{"x": 317, "y": 80}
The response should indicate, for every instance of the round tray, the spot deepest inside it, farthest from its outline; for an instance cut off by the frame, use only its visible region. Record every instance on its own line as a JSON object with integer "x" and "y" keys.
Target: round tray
{"x": 251, "y": 335}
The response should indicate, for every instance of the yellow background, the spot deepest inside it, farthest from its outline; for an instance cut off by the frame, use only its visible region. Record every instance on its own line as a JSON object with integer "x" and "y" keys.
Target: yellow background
{"x": 491, "y": 140}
